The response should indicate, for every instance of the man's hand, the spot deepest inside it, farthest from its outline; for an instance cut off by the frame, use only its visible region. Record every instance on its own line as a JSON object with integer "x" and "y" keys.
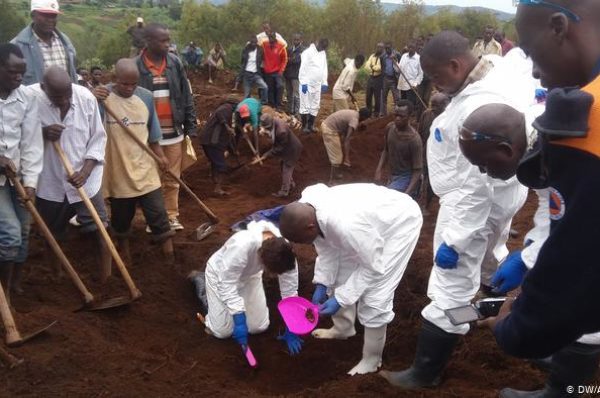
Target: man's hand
{"x": 29, "y": 195}
{"x": 491, "y": 322}
{"x": 52, "y": 132}
{"x": 78, "y": 178}
{"x": 247, "y": 128}
{"x": 163, "y": 164}
{"x": 7, "y": 166}
{"x": 101, "y": 93}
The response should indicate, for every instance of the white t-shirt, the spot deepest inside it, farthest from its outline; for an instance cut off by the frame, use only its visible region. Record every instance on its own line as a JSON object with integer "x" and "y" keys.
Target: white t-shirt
{"x": 251, "y": 64}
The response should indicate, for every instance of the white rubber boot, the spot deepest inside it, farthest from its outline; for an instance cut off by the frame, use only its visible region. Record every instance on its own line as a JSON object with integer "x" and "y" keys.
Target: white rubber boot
{"x": 343, "y": 325}
{"x": 372, "y": 351}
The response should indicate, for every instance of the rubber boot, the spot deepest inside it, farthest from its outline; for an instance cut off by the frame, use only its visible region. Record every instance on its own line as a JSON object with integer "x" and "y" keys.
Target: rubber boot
{"x": 311, "y": 124}
{"x": 17, "y": 277}
{"x": 304, "y": 120}
{"x": 343, "y": 325}
{"x": 105, "y": 258}
{"x": 168, "y": 251}
{"x": 372, "y": 351}
{"x": 434, "y": 348}
{"x": 198, "y": 280}
{"x": 573, "y": 366}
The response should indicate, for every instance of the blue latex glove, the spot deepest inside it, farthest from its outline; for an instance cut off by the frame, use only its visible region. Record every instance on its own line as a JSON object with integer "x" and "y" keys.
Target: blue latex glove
{"x": 293, "y": 342}
{"x": 330, "y": 307}
{"x": 304, "y": 88}
{"x": 510, "y": 274}
{"x": 324, "y": 88}
{"x": 240, "y": 329}
{"x": 320, "y": 294}
{"x": 446, "y": 257}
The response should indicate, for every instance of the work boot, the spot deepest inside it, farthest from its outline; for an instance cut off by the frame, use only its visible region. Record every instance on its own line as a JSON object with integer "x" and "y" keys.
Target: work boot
{"x": 198, "y": 280}
{"x": 304, "y": 119}
{"x": 434, "y": 348}
{"x": 573, "y": 366}
{"x": 343, "y": 325}
{"x": 311, "y": 124}
{"x": 372, "y": 351}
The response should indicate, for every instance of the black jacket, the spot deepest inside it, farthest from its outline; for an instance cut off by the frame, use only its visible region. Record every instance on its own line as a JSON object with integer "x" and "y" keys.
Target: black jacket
{"x": 293, "y": 66}
{"x": 215, "y": 134}
{"x": 182, "y": 103}
{"x": 560, "y": 296}
{"x": 259, "y": 57}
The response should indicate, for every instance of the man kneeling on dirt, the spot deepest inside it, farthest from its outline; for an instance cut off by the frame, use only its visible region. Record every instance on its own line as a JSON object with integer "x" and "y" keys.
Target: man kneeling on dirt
{"x": 131, "y": 175}
{"x": 364, "y": 235}
{"x": 232, "y": 287}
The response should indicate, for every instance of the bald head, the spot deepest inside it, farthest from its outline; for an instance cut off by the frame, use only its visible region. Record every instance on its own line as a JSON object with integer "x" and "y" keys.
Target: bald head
{"x": 562, "y": 38}
{"x": 126, "y": 77}
{"x": 58, "y": 87}
{"x": 447, "y": 59}
{"x": 494, "y": 138}
{"x": 298, "y": 223}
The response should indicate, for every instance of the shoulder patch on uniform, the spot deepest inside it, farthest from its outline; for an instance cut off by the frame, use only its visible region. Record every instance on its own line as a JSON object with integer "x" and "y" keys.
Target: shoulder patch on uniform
{"x": 438, "y": 135}
{"x": 557, "y": 204}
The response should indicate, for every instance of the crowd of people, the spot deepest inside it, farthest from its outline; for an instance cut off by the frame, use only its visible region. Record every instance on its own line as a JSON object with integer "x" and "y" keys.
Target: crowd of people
{"x": 493, "y": 121}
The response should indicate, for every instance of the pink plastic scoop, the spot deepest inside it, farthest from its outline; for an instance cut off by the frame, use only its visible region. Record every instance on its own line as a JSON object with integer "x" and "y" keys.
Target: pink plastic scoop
{"x": 300, "y": 315}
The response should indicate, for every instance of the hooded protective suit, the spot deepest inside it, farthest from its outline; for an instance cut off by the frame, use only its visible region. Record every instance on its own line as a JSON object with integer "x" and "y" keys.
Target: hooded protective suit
{"x": 368, "y": 235}
{"x": 475, "y": 211}
{"x": 313, "y": 73}
{"x": 234, "y": 282}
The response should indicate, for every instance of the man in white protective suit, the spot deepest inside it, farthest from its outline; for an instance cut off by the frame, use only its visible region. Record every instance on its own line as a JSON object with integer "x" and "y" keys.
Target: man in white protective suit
{"x": 232, "y": 286}
{"x": 475, "y": 210}
{"x": 313, "y": 81}
{"x": 364, "y": 236}
{"x": 499, "y": 154}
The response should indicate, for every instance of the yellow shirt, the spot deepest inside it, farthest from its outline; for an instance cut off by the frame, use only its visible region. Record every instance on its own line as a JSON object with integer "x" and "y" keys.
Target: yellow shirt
{"x": 129, "y": 170}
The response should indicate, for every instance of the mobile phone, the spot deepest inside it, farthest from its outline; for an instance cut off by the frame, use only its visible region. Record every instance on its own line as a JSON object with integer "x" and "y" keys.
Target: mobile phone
{"x": 473, "y": 312}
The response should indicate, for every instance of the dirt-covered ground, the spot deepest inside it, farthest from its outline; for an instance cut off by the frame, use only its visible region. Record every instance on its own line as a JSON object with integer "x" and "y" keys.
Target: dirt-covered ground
{"x": 156, "y": 347}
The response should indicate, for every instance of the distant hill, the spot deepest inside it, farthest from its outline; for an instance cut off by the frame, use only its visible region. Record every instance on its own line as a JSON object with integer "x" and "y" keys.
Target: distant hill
{"x": 429, "y": 10}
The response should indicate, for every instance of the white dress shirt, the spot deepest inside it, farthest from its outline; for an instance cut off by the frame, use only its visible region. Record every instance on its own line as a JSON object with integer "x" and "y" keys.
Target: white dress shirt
{"x": 83, "y": 138}
{"x": 411, "y": 67}
{"x": 21, "y": 135}
{"x": 251, "y": 64}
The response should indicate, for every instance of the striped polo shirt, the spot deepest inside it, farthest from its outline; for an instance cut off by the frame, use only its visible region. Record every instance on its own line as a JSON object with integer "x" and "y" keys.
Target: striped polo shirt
{"x": 162, "y": 100}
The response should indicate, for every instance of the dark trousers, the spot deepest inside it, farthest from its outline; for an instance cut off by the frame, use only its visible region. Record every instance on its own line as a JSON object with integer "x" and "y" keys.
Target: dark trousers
{"x": 410, "y": 96}
{"x": 153, "y": 207}
{"x": 389, "y": 83}
{"x": 374, "y": 87}
{"x": 292, "y": 87}
{"x": 275, "y": 89}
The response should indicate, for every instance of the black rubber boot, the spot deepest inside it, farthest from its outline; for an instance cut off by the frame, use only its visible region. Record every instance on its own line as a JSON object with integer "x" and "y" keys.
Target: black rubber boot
{"x": 311, "y": 124}
{"x": 304, "y": 120}
{"x": 434, "y": 349}
{"x": 573, "y": 366}
{"x": 197, "y": 278}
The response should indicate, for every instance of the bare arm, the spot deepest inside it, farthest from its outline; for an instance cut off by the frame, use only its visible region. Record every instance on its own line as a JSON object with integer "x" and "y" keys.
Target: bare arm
{"x": 382, "y": 161}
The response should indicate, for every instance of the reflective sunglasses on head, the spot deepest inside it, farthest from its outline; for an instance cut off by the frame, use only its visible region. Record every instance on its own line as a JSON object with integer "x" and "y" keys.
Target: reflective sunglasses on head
{"x": 466, "y": 134}
{"x": 541, "y": 3}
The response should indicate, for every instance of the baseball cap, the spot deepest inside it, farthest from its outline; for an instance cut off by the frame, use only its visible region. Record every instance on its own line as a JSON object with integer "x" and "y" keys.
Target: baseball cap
{"x": 244, "y": 111}
{"x": 140, "y": 20}
{"x": 45, "y": 6}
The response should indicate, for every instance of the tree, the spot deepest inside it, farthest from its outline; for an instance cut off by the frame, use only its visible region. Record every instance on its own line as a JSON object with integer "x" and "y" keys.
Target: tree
{"x": 11, "y": 21}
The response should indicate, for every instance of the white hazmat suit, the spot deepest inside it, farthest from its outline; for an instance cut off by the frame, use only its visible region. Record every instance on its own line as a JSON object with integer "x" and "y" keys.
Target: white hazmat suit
{"x": 475, "y": 211}
{"x": 368, "y": 235}
{"x": 313, "y": 73}
{"x": 234, "y": 282}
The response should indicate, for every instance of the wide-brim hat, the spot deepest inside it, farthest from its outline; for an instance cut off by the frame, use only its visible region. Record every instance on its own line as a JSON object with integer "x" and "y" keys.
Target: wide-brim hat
{"x": 567, "y": 113}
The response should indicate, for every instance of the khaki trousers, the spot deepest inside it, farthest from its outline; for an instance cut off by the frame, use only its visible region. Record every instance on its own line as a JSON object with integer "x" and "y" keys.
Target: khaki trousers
{"x": 170, "y": 187}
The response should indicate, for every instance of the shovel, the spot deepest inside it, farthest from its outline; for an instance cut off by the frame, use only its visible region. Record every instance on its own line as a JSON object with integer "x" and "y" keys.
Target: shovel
{"x": 13, "y": 337}
{"x": 89, "y": 302}
{"x": 213, "y": 218}
{"x": 133, "y": 290}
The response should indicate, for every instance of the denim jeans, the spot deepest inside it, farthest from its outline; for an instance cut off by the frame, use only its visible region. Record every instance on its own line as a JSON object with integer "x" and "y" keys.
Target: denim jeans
{"x": 255, "y": 79}
{"x": 275, "y": 83}
{"x": 15, "y": 223}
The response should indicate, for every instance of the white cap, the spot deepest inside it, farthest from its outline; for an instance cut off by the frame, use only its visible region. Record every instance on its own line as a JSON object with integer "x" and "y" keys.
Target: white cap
{"x": 140, "y": 20}
{"x": 45, "y": 6}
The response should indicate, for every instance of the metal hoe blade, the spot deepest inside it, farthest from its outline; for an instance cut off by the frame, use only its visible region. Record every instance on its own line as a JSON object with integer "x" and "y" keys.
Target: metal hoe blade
{"x": 106, "y": 304}
{"x": 30, "y": 336}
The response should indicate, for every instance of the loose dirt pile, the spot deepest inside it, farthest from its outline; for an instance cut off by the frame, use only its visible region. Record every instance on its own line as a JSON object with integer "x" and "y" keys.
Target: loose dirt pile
{"x": 157, "y": 348}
